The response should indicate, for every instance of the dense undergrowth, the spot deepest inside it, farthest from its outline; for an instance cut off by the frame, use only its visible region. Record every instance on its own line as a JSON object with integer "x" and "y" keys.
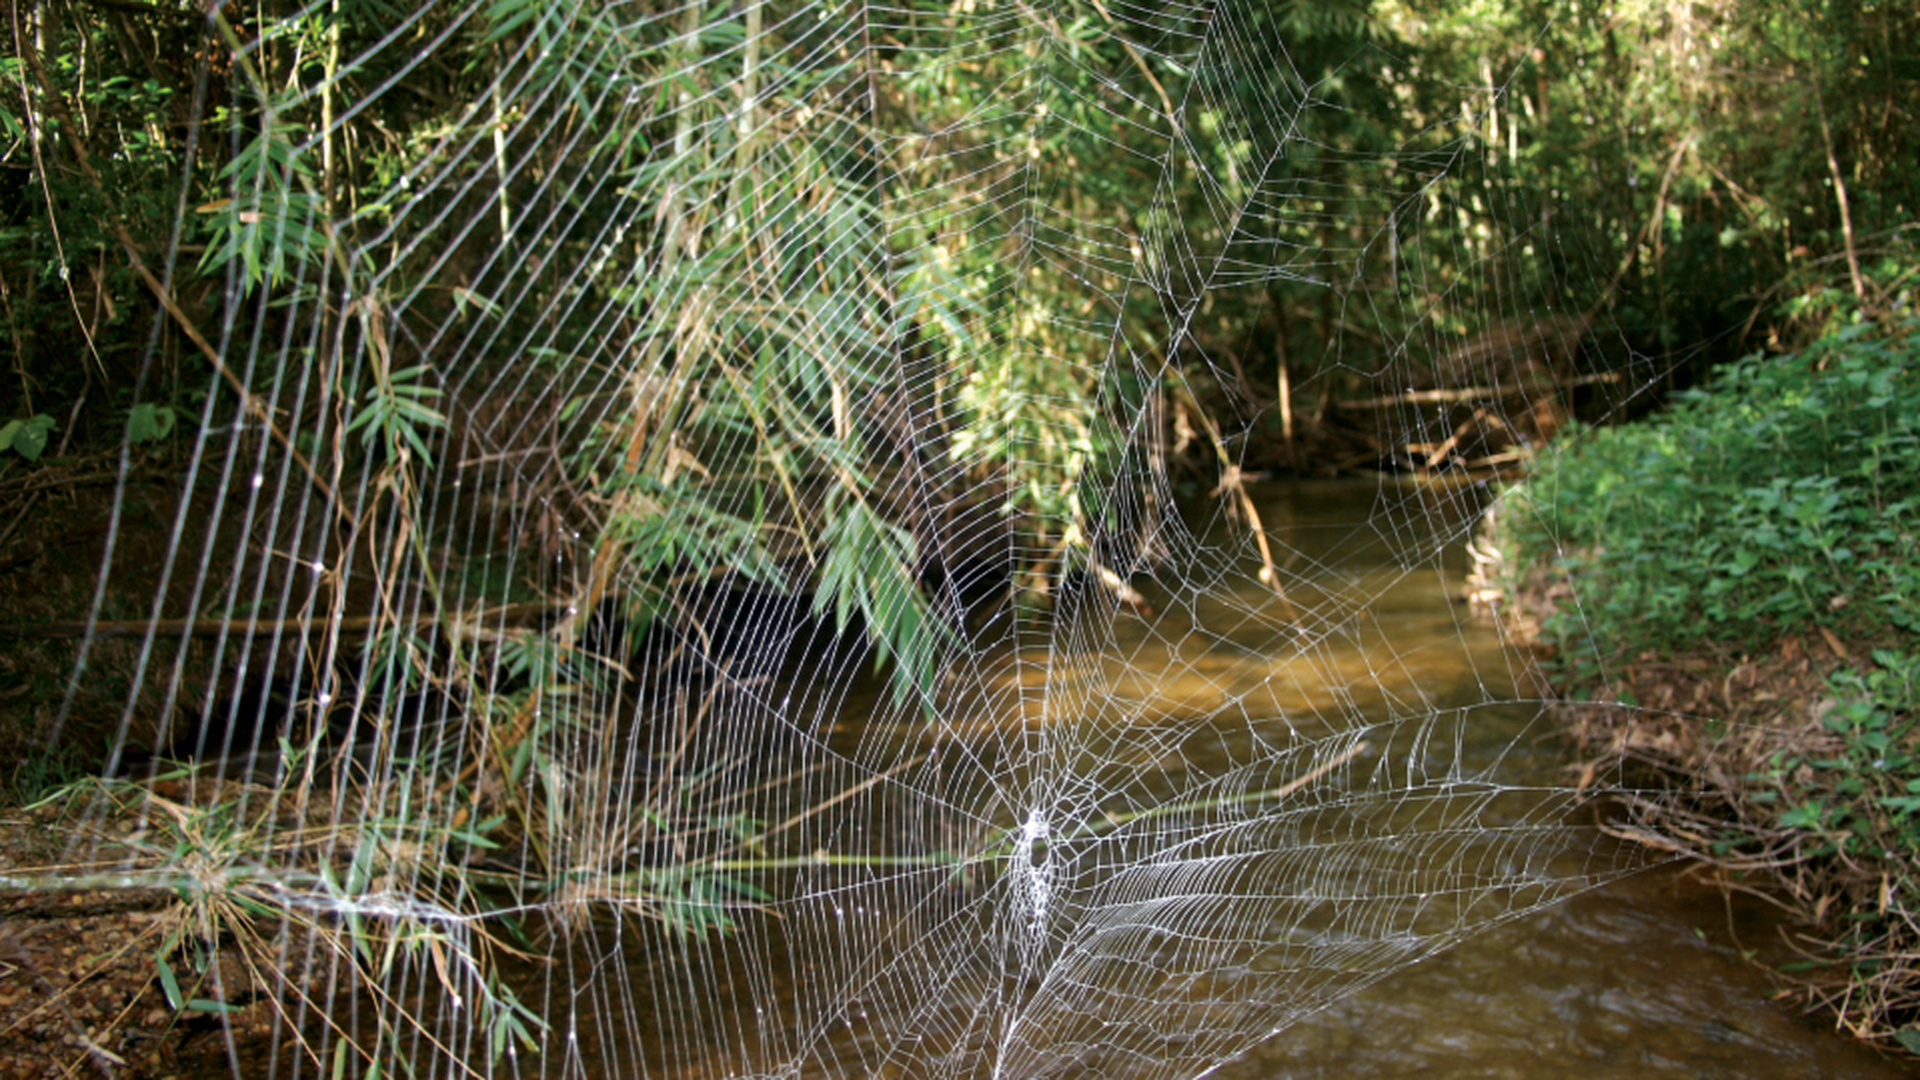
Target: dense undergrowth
{"x": 1727, "y": 596}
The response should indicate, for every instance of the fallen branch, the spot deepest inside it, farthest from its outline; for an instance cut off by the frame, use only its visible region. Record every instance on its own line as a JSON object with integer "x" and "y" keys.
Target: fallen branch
{"x": 1476, "y": 393}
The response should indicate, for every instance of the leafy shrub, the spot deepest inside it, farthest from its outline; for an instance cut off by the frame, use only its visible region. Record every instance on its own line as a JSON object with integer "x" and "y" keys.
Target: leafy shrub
{"x": 1784, "y": 496}
{"x": 28, "y": 438}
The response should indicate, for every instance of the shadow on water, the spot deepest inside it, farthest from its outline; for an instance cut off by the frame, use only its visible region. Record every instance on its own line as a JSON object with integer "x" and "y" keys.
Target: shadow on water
{"x": 913, "y": 970}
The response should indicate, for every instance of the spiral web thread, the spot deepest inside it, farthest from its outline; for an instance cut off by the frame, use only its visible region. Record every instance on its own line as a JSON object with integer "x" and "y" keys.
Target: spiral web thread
{"x": 1148, "y": 811}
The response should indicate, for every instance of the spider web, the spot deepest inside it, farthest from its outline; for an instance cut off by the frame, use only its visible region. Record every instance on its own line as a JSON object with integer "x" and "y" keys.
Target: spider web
{"x": 1083, "y": 769}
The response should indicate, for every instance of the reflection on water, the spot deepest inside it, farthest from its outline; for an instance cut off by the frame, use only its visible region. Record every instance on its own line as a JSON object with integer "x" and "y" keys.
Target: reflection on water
{"x": 1125, "y": 932}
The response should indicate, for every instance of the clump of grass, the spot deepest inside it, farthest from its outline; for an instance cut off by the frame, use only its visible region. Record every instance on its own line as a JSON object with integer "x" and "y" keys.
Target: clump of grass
{"x": 301, "y": 920}
{"x": 349, "y": 909}
{"x": 1681, "y": 566}
{"x": 41, "y": 772}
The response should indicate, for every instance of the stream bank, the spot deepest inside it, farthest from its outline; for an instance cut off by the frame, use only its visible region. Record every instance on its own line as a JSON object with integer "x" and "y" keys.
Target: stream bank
{"x": 1726, "y": 600}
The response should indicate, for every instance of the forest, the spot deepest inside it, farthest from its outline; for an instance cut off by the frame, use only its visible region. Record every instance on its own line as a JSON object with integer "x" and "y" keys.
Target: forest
{"x": 1566, "y": 205}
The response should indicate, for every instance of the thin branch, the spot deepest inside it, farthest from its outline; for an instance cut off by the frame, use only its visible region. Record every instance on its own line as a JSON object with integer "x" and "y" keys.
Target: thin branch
{"x": 1840, "y": 194}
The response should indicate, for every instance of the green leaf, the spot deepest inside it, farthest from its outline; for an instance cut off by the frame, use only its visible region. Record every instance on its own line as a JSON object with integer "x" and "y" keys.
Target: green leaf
{"x": 28, "y": 438}
{"x": 472, "y": 838}
{"x": 506, "y": 16}
{"x": 148, "y": 422}
{"x": 168, "y": 984}
{"x": 867, "y": 569}
{"x": 1804, "y": 816}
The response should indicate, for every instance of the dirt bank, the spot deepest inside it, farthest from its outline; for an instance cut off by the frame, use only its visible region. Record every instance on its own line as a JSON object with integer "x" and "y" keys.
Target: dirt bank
{"x": 1768, "y": 765}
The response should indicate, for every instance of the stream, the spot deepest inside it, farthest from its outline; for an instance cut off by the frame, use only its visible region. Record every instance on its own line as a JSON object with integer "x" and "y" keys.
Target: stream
{"x": 1654, "y": 974}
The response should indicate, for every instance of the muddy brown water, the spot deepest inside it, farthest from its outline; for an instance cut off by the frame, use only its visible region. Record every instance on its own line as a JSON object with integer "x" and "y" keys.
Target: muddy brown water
{"x": 1655, "y": 974}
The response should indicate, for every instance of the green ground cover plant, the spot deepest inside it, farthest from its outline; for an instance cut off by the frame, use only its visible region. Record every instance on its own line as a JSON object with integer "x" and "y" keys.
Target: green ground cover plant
{"x": 1784, "y": 496}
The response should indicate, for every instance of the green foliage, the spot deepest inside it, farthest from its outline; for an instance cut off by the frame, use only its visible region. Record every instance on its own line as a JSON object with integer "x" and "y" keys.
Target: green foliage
{"x": 795, "y": 299}
{"x": 671, "y": 528}
{"x": 693, "y": 901}
{"x": 1673, "y": 163}
{"x": 395, "y": 414}
{"x": 868, "y": 569}
{"x": 1782, "y": 499}
{"x": 43, "y": 773}
{"x": 148, "y": 422}
{"x": 273, "y": 226}
{"x": 1785, "y": 496}
{"x": 1864, "y": 799}
{"x": 28, "y": 438}
{"x": 57, "y": 240}
{"x": 1036, "y": 419}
